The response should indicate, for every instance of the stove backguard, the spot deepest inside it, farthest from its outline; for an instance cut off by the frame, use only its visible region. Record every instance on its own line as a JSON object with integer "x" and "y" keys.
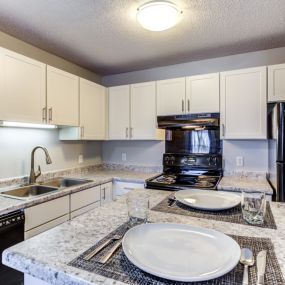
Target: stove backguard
{"x": 196, "y": 141}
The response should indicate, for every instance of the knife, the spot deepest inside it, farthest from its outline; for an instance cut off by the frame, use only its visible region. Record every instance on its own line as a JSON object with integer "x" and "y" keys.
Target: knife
{"x": 261, "y": 263}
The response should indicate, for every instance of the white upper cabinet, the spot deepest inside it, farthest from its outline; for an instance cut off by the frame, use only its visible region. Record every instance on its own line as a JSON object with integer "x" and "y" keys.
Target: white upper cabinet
{"x": 119, "y": 112}
{"x": 92, "y": 110}
{"x": 276, "y": 83}
{"x": 171, "y": 96}
{"x": 132, "y": 112}
{"x": 23, "y": 88}
{"x": 203, "y": 93}
{"x": 243, "y": 104}
{"x": 62, "y": 97}
{"x": 143, "y": 111}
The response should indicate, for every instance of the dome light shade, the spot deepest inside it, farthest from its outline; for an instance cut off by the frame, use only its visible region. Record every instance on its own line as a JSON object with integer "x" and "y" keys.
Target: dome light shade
{"x": 158, "y": 15}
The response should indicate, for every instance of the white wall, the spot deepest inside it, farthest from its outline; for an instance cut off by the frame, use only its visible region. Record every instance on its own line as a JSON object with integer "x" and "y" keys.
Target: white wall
{"x": 16, "y": 145}
{"x": 255, "y": 153}
{"x": 145, "y": 153}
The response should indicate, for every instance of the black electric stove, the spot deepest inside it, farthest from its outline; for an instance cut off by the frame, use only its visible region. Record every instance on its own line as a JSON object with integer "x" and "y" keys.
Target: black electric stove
{"x": 184, "y": 171}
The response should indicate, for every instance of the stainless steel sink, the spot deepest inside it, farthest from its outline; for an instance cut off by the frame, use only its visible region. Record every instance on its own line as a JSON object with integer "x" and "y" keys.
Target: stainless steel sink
{"x": 28, "y": 191}
{"x": 61, "y": 182}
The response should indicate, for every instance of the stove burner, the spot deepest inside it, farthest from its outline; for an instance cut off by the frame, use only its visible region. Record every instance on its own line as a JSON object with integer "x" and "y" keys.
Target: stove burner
{"x": 183, "y": 181}
{"x": 166, "y": 179}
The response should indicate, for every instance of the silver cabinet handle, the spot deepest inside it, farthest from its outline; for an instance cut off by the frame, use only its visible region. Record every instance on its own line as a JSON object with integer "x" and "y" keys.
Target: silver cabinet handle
{"x": 223, "y": 130}
{"x": 44, "y": 113}
{"x": 104, "y": 193}
{"x": 182, "y": 105}
{"x": 50, "y": 114}
{"x": 127, "y": 132}
{"x": 82, "y": 131}
{"x": 131, "y": 132}
{"x": 188, "y": 105}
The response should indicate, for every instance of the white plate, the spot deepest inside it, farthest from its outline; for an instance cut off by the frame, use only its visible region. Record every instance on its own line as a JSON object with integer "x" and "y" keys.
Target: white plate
{"x": 208, "y": 199}
{"x": 181, "y": 252}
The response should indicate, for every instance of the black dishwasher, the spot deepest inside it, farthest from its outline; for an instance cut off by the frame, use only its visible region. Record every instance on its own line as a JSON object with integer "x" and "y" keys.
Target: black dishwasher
{"x": 11, "y": 233}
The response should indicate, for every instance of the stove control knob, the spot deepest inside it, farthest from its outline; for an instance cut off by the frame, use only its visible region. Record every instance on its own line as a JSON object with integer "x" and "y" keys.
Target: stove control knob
{"x": 172, "y": 159}
{"x": 212, "y": 160}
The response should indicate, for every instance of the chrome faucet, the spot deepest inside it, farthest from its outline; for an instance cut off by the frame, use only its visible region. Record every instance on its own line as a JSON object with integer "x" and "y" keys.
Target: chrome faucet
{"x": 33, "y": 175}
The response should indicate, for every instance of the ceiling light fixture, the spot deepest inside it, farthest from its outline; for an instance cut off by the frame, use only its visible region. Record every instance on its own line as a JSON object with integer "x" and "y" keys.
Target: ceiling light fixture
{"x": 26, "y": 125}
{"x": 158, "y": 15}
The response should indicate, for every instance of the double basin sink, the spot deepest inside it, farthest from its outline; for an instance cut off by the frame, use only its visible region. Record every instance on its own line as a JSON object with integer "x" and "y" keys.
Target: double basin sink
{"x": 43, "y": 188}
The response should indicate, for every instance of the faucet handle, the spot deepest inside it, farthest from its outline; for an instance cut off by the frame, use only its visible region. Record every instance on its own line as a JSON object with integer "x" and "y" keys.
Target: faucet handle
{"x": 39, "y": 172}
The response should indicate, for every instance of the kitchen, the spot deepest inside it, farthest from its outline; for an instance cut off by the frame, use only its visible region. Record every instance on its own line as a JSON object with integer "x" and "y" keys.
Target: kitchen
{"x": 109, "y": 120}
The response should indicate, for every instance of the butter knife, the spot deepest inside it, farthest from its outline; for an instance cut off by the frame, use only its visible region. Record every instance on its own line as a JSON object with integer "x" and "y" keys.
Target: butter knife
{"x": 109, "y": 254}
{"x": 261, "y": 263}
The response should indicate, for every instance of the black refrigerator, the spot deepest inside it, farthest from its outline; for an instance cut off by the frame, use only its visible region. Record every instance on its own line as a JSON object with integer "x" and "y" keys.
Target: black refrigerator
{"x": 276, "y": 153}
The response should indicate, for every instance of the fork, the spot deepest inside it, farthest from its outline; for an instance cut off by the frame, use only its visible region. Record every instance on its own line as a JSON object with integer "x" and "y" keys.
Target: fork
{"x": 102, "y": 246}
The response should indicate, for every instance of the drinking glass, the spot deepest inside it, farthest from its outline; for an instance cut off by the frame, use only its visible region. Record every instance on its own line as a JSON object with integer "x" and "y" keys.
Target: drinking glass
{"x": 138, "y": 206}
{"x": 253, "y": 206}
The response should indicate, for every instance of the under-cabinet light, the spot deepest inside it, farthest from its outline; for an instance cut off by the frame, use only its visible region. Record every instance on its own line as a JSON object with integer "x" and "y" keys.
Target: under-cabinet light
{"x": 26, "y": 125}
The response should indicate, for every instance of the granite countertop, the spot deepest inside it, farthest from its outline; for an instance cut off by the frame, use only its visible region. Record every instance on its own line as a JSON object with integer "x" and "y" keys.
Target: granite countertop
{"x": 40, "y": 256}
{"x": 98, "y": 177}
{"x": 245, "y": 183}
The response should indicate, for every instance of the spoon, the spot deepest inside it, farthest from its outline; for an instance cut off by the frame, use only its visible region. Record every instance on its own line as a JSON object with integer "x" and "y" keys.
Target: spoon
{"x": 247, "y": 260}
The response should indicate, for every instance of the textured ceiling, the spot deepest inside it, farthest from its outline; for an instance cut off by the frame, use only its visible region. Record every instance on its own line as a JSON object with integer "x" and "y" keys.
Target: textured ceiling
{"x": 103, "y": 36}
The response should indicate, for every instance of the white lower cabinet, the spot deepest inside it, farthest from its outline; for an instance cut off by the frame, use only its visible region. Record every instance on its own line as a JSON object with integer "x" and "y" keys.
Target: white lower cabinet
{"x": 83, "y": 201}
{"x": 106, "y": 193}
{"x": 122, "y": 188}
{"x": 45, "y": 216}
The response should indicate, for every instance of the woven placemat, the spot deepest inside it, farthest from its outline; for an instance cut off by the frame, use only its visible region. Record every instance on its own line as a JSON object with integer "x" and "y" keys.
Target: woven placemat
{"x": 121, "y": 269}
{"x": 233, "y": 215}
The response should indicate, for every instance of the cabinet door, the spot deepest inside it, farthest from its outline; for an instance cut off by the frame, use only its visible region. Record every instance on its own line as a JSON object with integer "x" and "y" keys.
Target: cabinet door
{"x": 143, "y": 111}
{"x": 106, "y": 193}
{"x": 62, "y": 97}
{"x": 171, "y": 96}
{"x": 119, "y": 112}
{"x": 92, "y": 110}
{"x": 23, "y": 88}
{"x": 276, "y": 83}
{"x": 203, "y": 93}
{"x": 243, "y": 104}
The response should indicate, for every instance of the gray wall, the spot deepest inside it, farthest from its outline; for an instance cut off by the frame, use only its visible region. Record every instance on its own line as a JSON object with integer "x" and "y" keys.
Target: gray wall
{"x": 251, "y": 59}
{"x": 255, "y": 153}
{"x": 16, "y": 144}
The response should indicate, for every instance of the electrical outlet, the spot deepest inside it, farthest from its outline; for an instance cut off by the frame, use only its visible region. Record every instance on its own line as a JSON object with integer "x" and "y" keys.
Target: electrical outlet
{"x": 80, "y": 158}
{"x": 239, "y": 161}
{"x": 124, "y": 156}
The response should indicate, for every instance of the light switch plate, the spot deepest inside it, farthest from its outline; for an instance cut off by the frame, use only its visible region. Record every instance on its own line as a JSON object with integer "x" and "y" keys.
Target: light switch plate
{"x": 80, "y": 158}
{"x": 239, "y": 161}
{"x": 124, "y": 156}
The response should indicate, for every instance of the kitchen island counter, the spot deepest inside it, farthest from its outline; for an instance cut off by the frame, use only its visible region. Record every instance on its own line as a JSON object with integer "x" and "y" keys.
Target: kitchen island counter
{"x": 47, "y": 255}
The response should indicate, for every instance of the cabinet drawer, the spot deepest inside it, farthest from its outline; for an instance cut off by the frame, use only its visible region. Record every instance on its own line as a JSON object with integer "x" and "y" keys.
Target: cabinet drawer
{"x": 84, "y": 198}
{"x": 84, "y": 209}
{"x": 46, "y": 226}
{"x": 45, "y": 212}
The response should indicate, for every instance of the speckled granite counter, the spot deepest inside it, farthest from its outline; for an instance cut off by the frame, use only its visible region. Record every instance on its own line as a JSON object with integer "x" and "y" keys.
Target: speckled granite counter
{"x": 98, "y": 177}
{"x": 245, "y": 183}
{"x": 46, "y": 256}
